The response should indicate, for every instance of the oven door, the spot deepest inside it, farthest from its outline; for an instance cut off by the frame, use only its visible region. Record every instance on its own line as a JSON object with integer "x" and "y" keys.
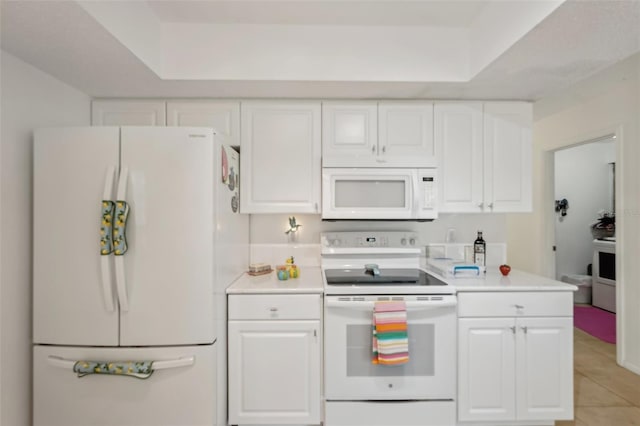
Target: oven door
{"x": 431, "y": 370}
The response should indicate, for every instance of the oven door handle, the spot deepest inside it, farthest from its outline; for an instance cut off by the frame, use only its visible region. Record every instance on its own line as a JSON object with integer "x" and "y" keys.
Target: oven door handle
{"x": 368, "y": 305}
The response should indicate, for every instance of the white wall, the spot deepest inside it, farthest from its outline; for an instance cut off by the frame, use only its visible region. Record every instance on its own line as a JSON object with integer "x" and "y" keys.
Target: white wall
{"x": 269, "y": 229}
{"x": 607, "y": 102}
{"x": 582, "y": 176}
{"x": 30, "y": 99}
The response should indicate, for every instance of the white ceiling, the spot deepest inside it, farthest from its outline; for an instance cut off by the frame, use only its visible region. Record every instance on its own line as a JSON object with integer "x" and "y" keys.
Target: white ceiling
{"x": 304, "y": 12}
{"x": 514, "y": 49}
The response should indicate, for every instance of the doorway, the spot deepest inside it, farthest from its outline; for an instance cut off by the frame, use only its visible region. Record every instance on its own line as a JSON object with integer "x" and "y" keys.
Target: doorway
{"x": 584, "y": 190}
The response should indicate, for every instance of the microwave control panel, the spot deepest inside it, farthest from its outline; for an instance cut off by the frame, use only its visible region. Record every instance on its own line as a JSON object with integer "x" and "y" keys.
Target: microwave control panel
{"x": 429, "y": 189}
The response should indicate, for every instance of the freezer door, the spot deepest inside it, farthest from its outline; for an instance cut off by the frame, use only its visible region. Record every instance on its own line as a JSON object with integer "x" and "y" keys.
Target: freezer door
{"x": 168, "y": 268}
{"x": 73, "y": 298}
{"x": 182, "y": 394}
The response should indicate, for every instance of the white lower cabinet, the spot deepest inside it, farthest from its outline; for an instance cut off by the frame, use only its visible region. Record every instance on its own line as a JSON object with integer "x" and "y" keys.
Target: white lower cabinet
{"x": 519, "y": 367}
{"x": 275, "y": 359}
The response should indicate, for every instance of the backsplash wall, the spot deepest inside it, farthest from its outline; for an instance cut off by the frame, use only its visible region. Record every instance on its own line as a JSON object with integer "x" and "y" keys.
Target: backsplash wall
{"x": 270, "y": 228}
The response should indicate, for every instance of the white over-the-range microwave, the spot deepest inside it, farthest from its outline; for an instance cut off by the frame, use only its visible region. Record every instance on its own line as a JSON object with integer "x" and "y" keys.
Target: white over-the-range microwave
{"x": 379, "y": 194}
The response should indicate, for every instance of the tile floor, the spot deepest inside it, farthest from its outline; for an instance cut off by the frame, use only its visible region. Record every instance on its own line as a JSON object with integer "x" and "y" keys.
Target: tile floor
{"x": 604, "y": 393}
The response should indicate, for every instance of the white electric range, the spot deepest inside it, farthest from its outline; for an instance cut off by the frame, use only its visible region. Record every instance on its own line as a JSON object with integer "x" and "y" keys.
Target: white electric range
{"x": 358, "y": 269}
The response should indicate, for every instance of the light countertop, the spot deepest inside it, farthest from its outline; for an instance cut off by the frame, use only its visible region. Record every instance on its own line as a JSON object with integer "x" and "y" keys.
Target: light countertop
{"x": 309, "y": 281}
{"x": 517, "y": 280}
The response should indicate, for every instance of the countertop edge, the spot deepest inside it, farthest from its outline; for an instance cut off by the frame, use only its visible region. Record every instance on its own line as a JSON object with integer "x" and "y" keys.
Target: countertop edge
{"x": 276, "y": 291}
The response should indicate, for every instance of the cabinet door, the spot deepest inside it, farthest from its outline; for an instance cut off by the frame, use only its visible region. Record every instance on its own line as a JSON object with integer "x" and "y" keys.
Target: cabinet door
{"x": 111, "y": 112}
{"x": 349, "y": 134}
{"x": 544, "y": 368}
{"x": 486, "y": 369}
{"x": 458, "y": 139}
{"x": 507, "y": 156}
{"x": 280, "y": 160}
{"x": 224, "y": 116}
{"x": 405, "y": 134}
{"x": 274, "y": 372}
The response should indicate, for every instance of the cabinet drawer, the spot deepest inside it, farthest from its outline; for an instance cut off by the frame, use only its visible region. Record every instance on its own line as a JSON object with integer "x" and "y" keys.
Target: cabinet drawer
{"x": 515, "y": 304}
{"x": 275, "y": 306}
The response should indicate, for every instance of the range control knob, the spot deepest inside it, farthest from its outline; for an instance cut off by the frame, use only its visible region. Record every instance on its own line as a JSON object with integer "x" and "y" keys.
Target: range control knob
{"x": 412, "y": 241}
{"x": 403, "y": 241}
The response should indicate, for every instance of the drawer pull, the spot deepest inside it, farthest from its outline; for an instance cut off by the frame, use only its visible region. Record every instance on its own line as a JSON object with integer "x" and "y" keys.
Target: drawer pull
{"x": 519, "y": 306}
{"x": 524, "y": 329}
{"x": 513, "y": 329}
{"x": 273, "y": 309}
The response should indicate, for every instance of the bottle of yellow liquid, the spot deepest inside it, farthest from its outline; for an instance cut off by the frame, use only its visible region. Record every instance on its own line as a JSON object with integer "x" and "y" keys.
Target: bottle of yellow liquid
{"x": 294, "y": 272}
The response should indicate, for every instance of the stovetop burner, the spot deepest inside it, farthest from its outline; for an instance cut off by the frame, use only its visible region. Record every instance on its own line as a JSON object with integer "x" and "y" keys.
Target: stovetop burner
{"x": 386, "y": 276}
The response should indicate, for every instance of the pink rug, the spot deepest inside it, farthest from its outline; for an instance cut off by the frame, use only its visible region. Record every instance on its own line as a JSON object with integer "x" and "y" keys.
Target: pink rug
{"x": 596, "y": 322}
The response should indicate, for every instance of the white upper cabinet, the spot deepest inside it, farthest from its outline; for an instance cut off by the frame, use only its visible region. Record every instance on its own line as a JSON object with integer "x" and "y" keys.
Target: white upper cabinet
{"x": 484, "y": 155}
{"x": 224, "y": 116}
{"x": 349, "y": 134}
{"x": 128, "y": 112}
{"x": 405, "y": 134}
{"x": 377, "y": 134}
{"x": 458, "y": 136}
{"x": 507, "y": 156}
{"x": 280, "y": 161}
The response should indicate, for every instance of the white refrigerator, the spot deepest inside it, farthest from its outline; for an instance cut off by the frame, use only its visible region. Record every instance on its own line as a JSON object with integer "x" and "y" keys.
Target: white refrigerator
{"x": 135, "y": 242}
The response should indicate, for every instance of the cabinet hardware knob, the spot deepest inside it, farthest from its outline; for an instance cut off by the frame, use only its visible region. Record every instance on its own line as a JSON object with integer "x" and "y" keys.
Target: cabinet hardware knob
{"x": 524, "y": 329}
{"x": 373, "y": 149}
{"x": 490, "y": 205}
{"x": 513, "y": 329}
{"x": 316, "y": 205}
{"x": 274, "y": 309}
{"x": 384, "y": 149}
{"x": 480, "y": 205}
{"x": 519, "y": 306}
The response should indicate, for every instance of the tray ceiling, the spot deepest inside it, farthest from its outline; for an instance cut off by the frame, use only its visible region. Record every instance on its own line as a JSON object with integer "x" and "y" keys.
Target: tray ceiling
{"x": 329, "y": 49}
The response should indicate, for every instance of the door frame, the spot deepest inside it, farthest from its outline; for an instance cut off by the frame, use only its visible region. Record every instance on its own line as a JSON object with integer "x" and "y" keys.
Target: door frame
{"x": 548, "y": 255}
{"x": 611, "y": 136}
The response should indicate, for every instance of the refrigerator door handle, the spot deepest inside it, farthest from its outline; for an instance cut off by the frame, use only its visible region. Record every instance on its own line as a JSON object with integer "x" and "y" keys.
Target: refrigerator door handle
{"x": 174, "y": 363}
{"x": 106, "y": 238}
{"x": 56, "y": 361}
{"x": 122, "y": 212}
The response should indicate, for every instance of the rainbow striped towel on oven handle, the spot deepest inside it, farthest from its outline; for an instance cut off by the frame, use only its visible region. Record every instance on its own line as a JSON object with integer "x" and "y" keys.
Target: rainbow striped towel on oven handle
{"x": 390, "y": 338}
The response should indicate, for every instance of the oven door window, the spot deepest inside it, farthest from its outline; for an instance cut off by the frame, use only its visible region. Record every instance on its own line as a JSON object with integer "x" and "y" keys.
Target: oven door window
{"x": 421, "y": 353}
